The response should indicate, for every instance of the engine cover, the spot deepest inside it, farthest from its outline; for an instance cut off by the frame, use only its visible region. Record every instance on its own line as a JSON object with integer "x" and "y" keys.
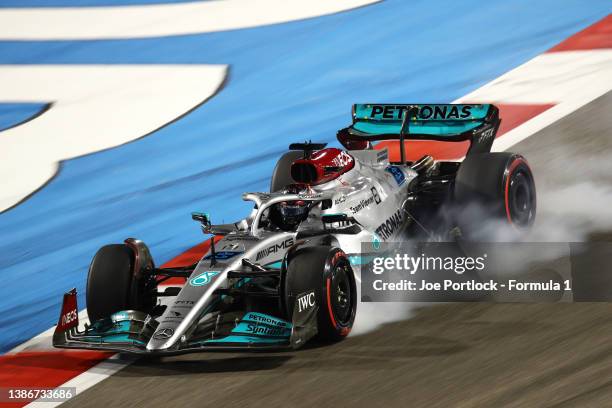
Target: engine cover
{"x": 322, "y": 166}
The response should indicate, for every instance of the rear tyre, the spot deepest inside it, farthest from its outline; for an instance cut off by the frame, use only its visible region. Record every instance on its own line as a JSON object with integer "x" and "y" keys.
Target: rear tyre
{"x": 281, "y": 176}
{"x": 112, "y": 286}
{"x": 328, "y": 272}
{"x": 500, "y": 186}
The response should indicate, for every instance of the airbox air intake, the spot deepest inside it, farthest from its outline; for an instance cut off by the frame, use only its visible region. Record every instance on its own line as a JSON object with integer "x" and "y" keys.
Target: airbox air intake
{"x": 304, "y": 172}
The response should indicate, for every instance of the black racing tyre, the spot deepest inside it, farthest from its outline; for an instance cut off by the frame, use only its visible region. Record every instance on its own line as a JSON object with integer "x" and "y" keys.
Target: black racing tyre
{"x": 328, "y": 272}
{"x": 500, "y": 184}
{"x": 111, "y": 285}
{"x": 281, "y": 176}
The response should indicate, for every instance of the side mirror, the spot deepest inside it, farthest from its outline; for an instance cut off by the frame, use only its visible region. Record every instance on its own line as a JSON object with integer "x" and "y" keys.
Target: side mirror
{"x": 202, "y": 218}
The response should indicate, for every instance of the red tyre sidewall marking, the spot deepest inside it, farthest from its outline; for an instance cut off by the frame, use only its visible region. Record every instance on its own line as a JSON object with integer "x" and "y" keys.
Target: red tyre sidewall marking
{"x": 343, "y": 330}
{"x": 329, "y": 308}
{"x": 513, "y": 166}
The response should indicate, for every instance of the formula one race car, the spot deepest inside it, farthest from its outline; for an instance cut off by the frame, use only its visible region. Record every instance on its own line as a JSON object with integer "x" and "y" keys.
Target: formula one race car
{"x": 288, "y": 271}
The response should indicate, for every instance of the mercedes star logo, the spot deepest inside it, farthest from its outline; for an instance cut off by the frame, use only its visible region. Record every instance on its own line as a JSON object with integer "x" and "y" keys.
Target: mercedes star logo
{"x": 163, "y": 334}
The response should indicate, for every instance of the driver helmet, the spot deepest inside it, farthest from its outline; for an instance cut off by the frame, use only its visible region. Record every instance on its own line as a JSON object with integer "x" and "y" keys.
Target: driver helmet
{"x": 287, "y": 215}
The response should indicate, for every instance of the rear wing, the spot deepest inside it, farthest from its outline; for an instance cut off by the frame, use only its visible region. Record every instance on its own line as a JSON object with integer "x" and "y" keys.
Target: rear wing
{"x": 441, "y": 122}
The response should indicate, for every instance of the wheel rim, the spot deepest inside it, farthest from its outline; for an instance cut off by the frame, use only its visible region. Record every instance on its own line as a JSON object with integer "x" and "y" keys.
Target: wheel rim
{"x": 341, "y": 296}
{"x": 522, "y": 199}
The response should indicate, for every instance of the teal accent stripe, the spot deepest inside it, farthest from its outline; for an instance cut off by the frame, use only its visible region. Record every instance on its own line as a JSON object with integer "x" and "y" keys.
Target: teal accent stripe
{"x": 112, "y": 338}
{"x": 246, "y": 339}
{"x": 424, "y": 128}
{"x": 354, "y": 260}
{"x": 119, "y": 327}
{"x": 275, "y": 265}
{"x": 120, "y": 338}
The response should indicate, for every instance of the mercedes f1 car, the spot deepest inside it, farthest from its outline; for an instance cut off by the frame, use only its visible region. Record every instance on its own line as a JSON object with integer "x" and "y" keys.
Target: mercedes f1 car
{"x": 288, "y": 271}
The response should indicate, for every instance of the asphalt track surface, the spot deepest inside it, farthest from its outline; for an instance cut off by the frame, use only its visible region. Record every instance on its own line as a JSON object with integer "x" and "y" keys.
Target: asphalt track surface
{"x": 460, "y": 355}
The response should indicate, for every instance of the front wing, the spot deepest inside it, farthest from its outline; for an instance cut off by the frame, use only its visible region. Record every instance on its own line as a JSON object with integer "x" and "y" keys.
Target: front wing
{"x": 129, "y": 332}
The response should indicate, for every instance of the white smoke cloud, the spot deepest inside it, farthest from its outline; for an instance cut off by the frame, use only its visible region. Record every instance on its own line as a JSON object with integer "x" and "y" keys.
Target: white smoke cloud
{"x": 573, "y": 212}
{"x": 574, "y": 201}
{"x": 372, "y": 315}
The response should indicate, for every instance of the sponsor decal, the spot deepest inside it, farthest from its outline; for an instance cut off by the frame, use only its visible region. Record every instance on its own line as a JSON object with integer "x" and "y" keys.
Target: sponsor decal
{"x": 382, "y": 155}
{"x": 340, "y": 199}
{"x": 375, "y": 195}
{"x": 203, "y": 279}
{"x": 485, "y": 135}
{"x": 69, "y": 316}
{"x": 258, "y": 327}
{"x": 230, "y": 247}
{"x": 397, "y": 174}
{"x": 262, "y": 318}
{"x": 424, "y": 112}
{"x": 306, "y": 301}
{"x": 163, "y": 334}
{"x": 392, "y": 224}
{"x": 373, "y": 199}
{"x": 172, "y": 315}
{"x": 241, "y": 237}
{"x": 341, "y": 160}
{"x": 309, "y": 196}
{"x": 223, "y": 255}
{"x": 254, "y": 328}
{"x": 274, "y": 248}
{"x": 361, "y": 205}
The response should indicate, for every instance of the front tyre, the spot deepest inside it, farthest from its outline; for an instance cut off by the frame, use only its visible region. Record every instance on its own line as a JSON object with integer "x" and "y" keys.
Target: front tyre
{"x": 112, "y": 285}
{"x": 328, "y": 272}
